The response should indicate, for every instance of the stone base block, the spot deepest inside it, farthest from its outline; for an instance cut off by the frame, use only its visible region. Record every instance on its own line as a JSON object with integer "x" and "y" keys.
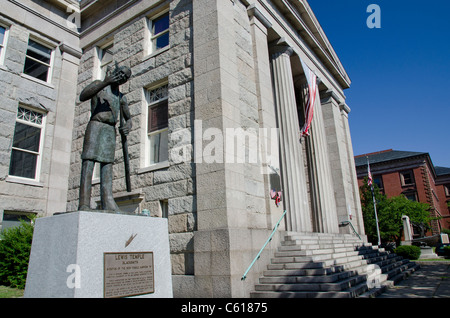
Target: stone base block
{"x": 427, "y": 253}
{"x": 68, "y": 255}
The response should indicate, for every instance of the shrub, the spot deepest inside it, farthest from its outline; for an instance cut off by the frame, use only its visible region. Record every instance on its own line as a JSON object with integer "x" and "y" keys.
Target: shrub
{"x": 447, "y": 251}
{"x": 15, "y": 247}
{"x": 408, "y": 251}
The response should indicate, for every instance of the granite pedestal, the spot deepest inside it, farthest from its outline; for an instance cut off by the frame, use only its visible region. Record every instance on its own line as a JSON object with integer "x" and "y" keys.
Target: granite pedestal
{"x": 68, "y": 255}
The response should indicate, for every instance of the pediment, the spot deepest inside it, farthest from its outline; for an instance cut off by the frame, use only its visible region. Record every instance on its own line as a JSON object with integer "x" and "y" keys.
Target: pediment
{"x": 301, "y": 17}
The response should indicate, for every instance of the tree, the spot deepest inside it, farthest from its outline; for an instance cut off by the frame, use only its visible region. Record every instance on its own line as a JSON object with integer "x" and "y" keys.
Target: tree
{"x": 368, "y": 209}
{"x": 390, "y": 212}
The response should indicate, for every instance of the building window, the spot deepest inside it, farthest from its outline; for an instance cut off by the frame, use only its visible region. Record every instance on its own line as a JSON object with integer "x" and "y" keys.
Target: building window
{"x": 3, "y": 37}
{"x": 378, "y": 180}
{"x": 27, "y": 144}
{"x": 447, "y": 190}
{"x": 407, "y": 178}
{"x": 159, "y": 29}
{"x": 157, "y": 125}
{"x": 164, "y": 208}
{"x": 38, "y": 61}
{"x": 105, "y": 55}
{"x": 13, "y": 219}
{"x": 411, "y": 196}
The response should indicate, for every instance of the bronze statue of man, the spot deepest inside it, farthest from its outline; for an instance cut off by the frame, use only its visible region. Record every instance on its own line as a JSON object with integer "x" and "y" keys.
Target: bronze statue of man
{"x": 107, "y": 103}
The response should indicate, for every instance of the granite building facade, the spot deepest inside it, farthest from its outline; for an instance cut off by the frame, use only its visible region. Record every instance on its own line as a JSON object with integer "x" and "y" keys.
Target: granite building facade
{"x": 39, "y": 59}
{"x": 217, "y": 98}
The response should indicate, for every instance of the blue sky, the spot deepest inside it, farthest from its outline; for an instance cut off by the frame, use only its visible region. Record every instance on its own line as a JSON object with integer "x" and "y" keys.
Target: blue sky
{"x": 400, "y": 73}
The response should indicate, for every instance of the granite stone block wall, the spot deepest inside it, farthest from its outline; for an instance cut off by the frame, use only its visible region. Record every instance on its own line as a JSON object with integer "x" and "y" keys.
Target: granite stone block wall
{"x": 172, "y": 183}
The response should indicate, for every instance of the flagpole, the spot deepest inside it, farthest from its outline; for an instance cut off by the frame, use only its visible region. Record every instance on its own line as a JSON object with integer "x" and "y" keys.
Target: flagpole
{"x": 374, "y": 201}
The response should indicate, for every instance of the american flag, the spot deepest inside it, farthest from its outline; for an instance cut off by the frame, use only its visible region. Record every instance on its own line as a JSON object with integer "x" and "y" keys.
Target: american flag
{"x": 369, "y": 174}
{"x": 311, "y": 98}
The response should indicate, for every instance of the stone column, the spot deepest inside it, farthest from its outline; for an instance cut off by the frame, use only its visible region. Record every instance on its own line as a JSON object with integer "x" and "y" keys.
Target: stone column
{"x": 66, "y": 71}
{"x": 268, "y": 142}
{"x": 343, "y": 172}
{"x": 321, "y": 172}
{"x": 295, "y": 194}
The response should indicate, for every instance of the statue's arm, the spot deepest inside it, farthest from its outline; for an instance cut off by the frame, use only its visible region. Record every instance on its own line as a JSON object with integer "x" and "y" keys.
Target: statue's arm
{"x": 92, "y": 89}
{"x": 96, "y": 86}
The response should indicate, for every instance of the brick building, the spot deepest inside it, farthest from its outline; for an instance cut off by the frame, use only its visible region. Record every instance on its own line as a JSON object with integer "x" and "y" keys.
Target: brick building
{"x": 413, "y": 175}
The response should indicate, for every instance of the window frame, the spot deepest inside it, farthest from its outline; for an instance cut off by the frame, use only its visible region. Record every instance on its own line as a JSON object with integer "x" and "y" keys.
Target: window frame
{"x": 402, "y": 178}
{"x": 153, "y": 104}
{"x": 39, "y": 153}
{"x": 447, "y": 190}
{"x": 153, "y": 37}
{"x": 4, "y": 44}
{"x": 49, "y": 65}
{"x": 100, "y": 55}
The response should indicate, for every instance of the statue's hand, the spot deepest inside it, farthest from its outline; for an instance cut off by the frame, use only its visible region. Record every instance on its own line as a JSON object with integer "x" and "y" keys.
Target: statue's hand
{"x": 112, "y": 78}
{"x": 125, "y": 130}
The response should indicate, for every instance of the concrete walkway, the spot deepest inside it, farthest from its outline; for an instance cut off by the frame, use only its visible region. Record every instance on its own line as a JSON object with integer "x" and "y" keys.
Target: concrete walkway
{"x": 432, "y": 280}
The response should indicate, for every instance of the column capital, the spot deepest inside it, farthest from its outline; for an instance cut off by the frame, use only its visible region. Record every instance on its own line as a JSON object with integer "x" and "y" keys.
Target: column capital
{"x": 279, "y": 48}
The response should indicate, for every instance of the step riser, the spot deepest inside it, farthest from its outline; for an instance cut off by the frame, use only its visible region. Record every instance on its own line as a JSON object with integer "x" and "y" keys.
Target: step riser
{"x": 314, "y": 266}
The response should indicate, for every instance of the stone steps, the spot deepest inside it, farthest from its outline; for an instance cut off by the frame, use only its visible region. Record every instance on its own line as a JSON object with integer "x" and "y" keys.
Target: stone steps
{"x": 315, "y": 265}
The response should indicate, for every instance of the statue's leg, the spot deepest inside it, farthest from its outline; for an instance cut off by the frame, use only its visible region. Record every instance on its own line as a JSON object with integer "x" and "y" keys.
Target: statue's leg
{"x": 87, "y": 169}
{"x": 106, "y": 194}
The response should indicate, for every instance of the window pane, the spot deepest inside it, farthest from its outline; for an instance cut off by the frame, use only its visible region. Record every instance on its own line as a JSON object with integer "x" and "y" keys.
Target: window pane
{"x": 158, "y": 93}
{"x": 160, "y": 24}
{"x": 23, "y": 164}
{"x": 29, "y": 115}
{"x": 13, "y": 220}
{"x": 2, "y": 34}
{"x": 27, "y": 137}
{"x": 164, "y": 146}
{"x": 39, "y": 52}
{"x": 159, "y": 147}
{"x": 162, "y": 41}
{"x": 407, "y": 178}
{"x": 36, "y": 69}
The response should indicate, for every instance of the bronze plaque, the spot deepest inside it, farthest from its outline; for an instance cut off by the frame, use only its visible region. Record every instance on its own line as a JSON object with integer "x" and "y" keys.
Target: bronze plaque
{"x": 128, "y": 274}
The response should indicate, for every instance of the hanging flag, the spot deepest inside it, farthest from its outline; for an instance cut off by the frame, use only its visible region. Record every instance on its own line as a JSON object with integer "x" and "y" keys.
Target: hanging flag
{"x": 310, "y": 98}
{"x": 369, "y": 174}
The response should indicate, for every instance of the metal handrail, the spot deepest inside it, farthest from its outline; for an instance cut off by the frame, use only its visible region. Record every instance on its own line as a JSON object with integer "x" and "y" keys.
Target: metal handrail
{"x": 354, "y": 231}
{"x": 265, "y": 244}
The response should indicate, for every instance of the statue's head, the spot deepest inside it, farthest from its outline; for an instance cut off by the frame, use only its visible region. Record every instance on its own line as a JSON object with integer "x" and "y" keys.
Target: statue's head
{"x": 124, "y": 73}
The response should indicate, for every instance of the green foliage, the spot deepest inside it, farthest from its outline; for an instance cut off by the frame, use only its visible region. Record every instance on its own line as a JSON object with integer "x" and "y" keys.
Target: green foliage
{"x": 368, "y": 209}
{"x": 389, "y": 211}
{"x": 408, "y": 251}
{"x": 15, "y": 247}
{"x": 447, "y": 251}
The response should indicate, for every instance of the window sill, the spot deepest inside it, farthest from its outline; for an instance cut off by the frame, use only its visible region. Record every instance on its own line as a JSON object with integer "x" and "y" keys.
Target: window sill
{"x": 156, "y": 166}
{"x": 31, "y": 78}
{"x": 24, "y": 181}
